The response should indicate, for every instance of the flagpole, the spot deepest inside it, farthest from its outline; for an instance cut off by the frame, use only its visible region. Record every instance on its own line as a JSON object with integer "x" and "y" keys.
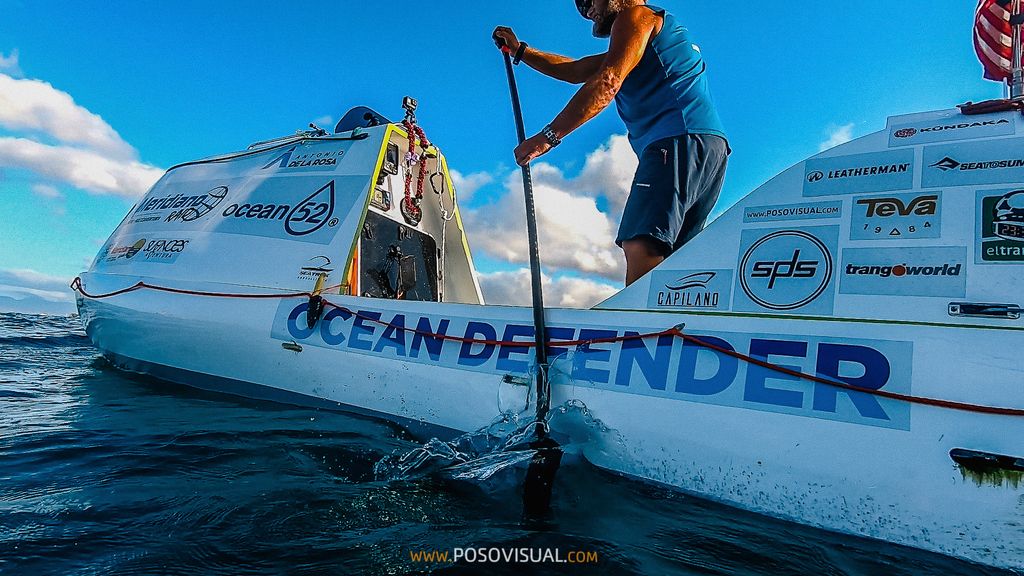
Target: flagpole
{"x": 1016, "y": 79}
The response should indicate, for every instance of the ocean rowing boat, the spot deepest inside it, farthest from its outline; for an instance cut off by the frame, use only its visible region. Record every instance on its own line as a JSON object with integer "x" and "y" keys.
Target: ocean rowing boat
{"x": 841, "y": 348}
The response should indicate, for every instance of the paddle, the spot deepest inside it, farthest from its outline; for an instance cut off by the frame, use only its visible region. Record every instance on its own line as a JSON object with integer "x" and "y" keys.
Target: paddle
{"x": 540, "y": 476}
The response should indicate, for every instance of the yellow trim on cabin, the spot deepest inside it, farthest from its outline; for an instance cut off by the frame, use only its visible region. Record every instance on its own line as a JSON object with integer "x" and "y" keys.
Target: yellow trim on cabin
{"x": 442, "y": 162}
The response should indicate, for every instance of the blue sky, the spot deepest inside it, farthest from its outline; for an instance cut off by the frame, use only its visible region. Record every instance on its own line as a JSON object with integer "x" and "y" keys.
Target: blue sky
{"x": 175, "y": 81}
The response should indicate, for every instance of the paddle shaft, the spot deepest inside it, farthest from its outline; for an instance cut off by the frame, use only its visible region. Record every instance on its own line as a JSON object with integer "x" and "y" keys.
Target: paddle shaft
{"x": 543, "y": 385}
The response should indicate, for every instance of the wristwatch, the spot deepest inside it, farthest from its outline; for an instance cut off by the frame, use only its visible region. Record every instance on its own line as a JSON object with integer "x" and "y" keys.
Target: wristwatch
{"x": 550, "y": 135}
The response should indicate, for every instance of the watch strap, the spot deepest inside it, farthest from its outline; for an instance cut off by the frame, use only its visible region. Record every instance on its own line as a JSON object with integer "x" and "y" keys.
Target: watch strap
{"x": 519, "y": 53}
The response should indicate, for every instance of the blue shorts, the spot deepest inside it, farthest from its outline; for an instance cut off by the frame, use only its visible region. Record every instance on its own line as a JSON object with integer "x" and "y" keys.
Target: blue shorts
{"x": 676, "y": 185}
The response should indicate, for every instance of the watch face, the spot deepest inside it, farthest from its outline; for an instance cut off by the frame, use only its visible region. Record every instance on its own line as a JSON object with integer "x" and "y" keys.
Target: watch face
{"x": 550, "y": 135}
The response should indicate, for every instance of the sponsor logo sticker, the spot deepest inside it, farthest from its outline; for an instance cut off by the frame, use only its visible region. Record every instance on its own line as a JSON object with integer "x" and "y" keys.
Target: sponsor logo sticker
{"x": 691, "y": 289}
{"x": 161, "y": 251}
{"x": 164, "y": 250}
{"x": 179, "y": 207}
{"x": 874, "y": 172}
{"x": 805, "y": 211}
{"x": 1000, "y": 226}
{"x": 117, "y": 252}
{"x": 268, "y": 211}
{"x": 663, "y": 367}
{"x": 896, "y": 216}
{"x": 787, "y": 269}
{"x": 949, "y": 130}
{"x": 306, "y": 158}
{"x": 946, "y": 164}
{"x": 987, "y": 162}
{"x": 317, "y": 265}
{"x": 925, "y": 271}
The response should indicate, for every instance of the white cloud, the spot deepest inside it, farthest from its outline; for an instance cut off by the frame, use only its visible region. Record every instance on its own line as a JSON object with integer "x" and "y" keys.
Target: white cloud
{"x": 837, "y": 135}
{"x": 608, "y": 172}
{"x": 467, "y": 184}
{"x": 28, "y": 291}
{"x": 575, "y": 234}
{"x": 569, "y": 292}
{"x": 22, "y": 283}
{"x": 46, "y": 191}
{"x": 85, "y": 169}
{"x": 53, "y": 197}
{"x": 33, "y": 105}
{"x": 513, "y": 288}
{"x": 22, "y": 292}
{"x": 90, "y": 154}
{"x": 35, "y": 278}
{"x": 9, "y": 64}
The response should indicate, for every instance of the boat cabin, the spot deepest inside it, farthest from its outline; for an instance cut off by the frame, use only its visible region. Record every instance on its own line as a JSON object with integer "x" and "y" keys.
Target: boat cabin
{"x": 368, "y": 210}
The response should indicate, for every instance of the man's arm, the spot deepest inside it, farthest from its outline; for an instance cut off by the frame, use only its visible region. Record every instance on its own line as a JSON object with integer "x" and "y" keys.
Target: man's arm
{"x": 631, "y": 32}
{"x": 554, "y": 65}
{"x": 561, "y": 67}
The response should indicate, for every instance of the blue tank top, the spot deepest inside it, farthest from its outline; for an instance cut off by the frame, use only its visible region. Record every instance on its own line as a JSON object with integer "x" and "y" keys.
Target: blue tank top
{"x": 667, "y": 93}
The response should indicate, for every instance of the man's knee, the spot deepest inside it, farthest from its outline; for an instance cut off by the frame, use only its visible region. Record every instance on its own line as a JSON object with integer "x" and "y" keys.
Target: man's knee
{"x": 642, "y": 255}
{"x": 643, "y": 247}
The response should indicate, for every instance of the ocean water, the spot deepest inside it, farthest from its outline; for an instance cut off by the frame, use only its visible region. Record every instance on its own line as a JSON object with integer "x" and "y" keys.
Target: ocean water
{"x": 103, "y": 472}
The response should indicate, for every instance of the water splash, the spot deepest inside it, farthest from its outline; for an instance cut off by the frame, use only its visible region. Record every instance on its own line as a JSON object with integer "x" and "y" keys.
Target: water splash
{"x": 475, "y": 455}
{"x": 506, "y": 441}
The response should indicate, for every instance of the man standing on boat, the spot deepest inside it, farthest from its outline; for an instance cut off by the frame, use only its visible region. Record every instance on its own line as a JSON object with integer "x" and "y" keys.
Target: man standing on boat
{"x": 656, "y": 75}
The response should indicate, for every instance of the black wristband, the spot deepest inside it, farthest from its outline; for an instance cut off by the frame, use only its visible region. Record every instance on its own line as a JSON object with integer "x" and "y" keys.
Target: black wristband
{"x": 519, "y": 53}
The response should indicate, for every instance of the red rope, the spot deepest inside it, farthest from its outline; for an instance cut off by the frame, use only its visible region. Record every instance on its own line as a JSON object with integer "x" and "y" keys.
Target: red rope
{"x": 76, "y": 284}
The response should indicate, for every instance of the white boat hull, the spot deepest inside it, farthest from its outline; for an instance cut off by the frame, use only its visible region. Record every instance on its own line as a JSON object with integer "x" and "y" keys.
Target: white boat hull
{"x": 763, "y": 442}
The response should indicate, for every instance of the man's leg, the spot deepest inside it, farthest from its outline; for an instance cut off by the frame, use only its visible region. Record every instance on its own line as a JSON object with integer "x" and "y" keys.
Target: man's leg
{"x": 676, "y": 186}
{"x": 653, "y": 214}
{"x": 705, "y": 157}
{"x": 642, "y": 255}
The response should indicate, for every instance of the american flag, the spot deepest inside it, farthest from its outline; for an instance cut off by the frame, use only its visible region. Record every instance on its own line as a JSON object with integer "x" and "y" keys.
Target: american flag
{"x": 993, "y": 37}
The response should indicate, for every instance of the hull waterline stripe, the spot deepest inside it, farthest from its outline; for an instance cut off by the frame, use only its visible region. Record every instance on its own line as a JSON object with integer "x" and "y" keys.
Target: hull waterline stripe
{"x": 676, "y": 331}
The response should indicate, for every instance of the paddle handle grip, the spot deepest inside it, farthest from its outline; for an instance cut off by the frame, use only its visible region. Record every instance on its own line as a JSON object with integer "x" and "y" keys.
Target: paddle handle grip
{"x": 500, "y": 43}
